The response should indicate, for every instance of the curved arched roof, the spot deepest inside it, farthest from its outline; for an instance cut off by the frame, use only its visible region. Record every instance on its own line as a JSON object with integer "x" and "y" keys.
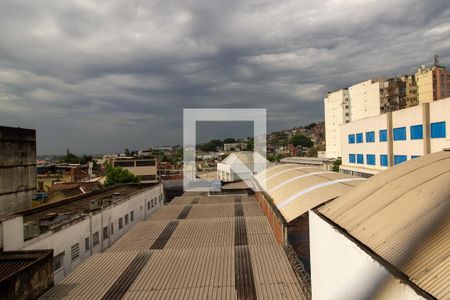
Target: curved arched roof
{"x": 296, "y": 189}
{"x": 402, "y": 214}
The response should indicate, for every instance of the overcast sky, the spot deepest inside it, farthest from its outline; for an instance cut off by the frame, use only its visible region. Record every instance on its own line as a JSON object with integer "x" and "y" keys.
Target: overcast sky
{"x": 99, "y": 76}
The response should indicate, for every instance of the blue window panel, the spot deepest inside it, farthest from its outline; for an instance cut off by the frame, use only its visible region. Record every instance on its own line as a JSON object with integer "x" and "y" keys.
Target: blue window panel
{"x": 398, "y": 159}
{"x": 360, "y": 158}
{"x": 370, "y": 158}
{"x": 351, "y": 158}
{"x": 416, "y": 132}
{"x": 370, "y": 137}
{"x": 400, "y": 134}
{"x": 383, "y": 135}
{"x": 351, "y": 138}
{"x": 438, "y": 130}
{"x": 359, "y": 138}
{"x": 384, "y": 160}
{"x": 414, "y": 156}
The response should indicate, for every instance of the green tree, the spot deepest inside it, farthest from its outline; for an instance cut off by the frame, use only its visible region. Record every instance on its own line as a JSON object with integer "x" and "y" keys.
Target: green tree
{"x": 301, "y": 140}
{"x": 229, "y": 141}
{"x": 336, "y": 165}
{"x": 118, "y": 175}
{"x": 70, "y": 158}
{"x": 85, "y": 159}
{"x": 249, "y": 145}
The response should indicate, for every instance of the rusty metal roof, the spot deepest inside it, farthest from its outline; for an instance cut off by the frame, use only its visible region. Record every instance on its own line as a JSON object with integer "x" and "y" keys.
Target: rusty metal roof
{"x": 12, "y": 262}
{"x": 296, "y": 189}
{"x": 402, "y": 214}
{"x": 198, "y": 247}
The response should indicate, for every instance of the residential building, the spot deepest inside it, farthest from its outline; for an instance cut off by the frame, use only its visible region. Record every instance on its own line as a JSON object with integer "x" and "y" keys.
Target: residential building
{"x": 78, "y": 227}
{"x": 433, "y": 83}
{"x": 50, "y": 174}
{"x": 233, "y": 146}
{"x": 144, "y": 169}
{"x": 17, "y": 168}
{"x": 374, "y": 144}
{"x": 337, "y": 113}
{"x": 367, "y": 99}
{"x": 410, "y": 90}
{"x": 393, "y": 96}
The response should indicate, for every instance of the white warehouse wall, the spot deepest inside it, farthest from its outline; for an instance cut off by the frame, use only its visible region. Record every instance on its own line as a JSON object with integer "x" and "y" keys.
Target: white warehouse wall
{"x": 342, "y": 270}
{"x": 69, "y": 234}
{"x": 440, "y": 111}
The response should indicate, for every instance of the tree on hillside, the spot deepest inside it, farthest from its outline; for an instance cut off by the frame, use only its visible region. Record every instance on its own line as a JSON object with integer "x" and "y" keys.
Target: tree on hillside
{"x": 229, "y": 141}
{"x": 301, "y": 140}
{"x": 70, "y": 158}
{"x": 118, "y": 175}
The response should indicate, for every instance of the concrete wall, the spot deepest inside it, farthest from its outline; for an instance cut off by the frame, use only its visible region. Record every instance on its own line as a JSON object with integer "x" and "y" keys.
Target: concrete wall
{"x": 17, "y": 168}
{"x": 342, "y": 270}
{"x": 337, "y": 112}
{"x": 63, "y": 238}
{"x": 365, "y": 98}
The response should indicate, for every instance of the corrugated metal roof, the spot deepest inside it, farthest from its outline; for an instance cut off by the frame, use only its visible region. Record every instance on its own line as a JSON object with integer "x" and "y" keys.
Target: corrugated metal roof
{"x": 199, "y": 259}
{"x": 402, "y": 214}
{"x": 295, "y": 190}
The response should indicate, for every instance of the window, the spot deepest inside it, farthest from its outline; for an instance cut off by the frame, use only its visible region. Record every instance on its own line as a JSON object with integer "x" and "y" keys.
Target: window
{"x": 398, "y": 159}
{"x": 416, "y": 132}
{"x": 112, "y": 228}
{"x": 384, "y": 160}
{"x": 120, "y": 223}
{"x": 105, "y": 232}
{"x": 145, "y": 163}
{"x": 58, "y": 262}
{"x": 414, "y": 156}
{"x": 400, "y": 134}
{"x": 86, "y": 244}
{"x": 383, "y": 135}
{"x": 126, "y": 219}
{"x": 359, "y": 138}
{"x": 148, "y": 205}
{"x": 370, "y": 137}
{"x": 438, "y": 130}
{"x": 351, "y": 138}
{"x": 75, "y": 251}
{"x": 95, "y": 239}
{"x": 124, "y": 163}
{"x": 132, "y": 216}
{"x": 360, "y": 158}
{"x": 351, "y": 158}
{"x": 370, "y": 158}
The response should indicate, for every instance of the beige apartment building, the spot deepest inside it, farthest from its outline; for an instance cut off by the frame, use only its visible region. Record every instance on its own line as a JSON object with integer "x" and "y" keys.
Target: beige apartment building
{"x": 366, "y": 98}
{"x": 145, "y": 169}
{"x": 337, "y": 113}
{"x": 411, "y": 97}
{"x": 433, "y": 83}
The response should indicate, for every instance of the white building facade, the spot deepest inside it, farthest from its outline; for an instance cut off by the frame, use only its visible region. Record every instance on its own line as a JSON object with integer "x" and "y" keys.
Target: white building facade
{"x": 337, "y": 113}
{"x": 373, "y": 144}
{"x": 75, "y": 241}
{"x": 366, "y": 98}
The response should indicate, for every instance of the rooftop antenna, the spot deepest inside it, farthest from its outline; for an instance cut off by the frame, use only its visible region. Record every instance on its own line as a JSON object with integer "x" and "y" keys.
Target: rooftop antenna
{"x": 436, "y": 60}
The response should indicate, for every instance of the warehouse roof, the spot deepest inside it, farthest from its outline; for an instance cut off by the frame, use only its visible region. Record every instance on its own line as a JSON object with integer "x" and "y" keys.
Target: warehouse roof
{"x": 198, "y": 247}
{"x": 402, "y": 214}
{"x": 295, "y": 190}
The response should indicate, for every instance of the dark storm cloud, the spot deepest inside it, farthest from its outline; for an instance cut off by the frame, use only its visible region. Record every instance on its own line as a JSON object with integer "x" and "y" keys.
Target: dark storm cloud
{"x": 100, "y": 76}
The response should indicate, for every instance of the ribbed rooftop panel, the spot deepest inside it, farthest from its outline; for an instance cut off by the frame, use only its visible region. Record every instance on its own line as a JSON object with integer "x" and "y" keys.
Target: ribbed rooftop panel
{"x": 198, "y": 247}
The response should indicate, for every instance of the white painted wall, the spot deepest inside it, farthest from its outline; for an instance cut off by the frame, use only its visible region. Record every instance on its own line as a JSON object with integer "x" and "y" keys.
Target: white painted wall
{"x": 365, "y": 98}
{"x": 337, "y": 112}
{"x": 440, "y": 111}
{"x": 62, "y": 240}
{"x": 342, "y": 270}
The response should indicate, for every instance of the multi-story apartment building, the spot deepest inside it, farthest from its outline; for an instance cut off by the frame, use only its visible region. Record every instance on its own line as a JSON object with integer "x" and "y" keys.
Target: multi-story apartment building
{"x": 337, "y": 113}
{"x": 433, "y": 83}
{"x": 366, "y": 99}
{"x": 144, "y": 169}
{"x": 17, "y": 168}
{"x": 410, "y": 90}
{"x": 374, "y": 144}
